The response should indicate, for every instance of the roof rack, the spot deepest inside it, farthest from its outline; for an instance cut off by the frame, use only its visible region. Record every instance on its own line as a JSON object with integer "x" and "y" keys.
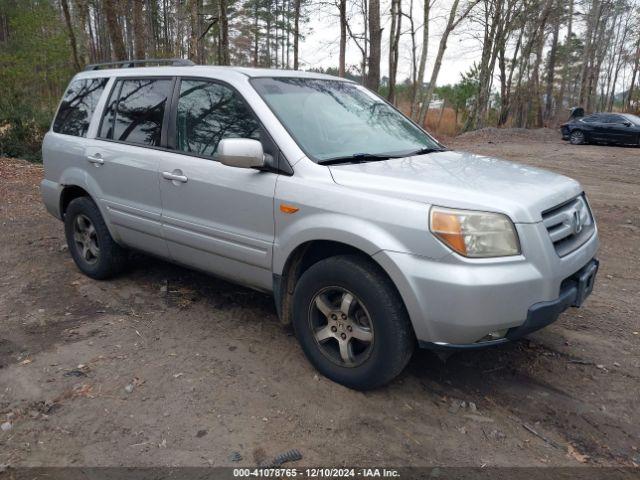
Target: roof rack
{"x": 176, "y": 62}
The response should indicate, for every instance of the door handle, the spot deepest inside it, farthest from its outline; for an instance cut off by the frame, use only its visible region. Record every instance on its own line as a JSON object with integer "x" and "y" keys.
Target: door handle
{"x": 174, "y": 177}
{"x": 95, "y": 159}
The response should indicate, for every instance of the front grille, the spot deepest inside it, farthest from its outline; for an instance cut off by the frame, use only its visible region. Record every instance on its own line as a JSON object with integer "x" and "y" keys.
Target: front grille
{"x": 569, "y": 225}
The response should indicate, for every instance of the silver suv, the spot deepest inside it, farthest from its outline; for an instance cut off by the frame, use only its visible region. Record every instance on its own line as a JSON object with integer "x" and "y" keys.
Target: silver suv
{"x": 371, "y": 235}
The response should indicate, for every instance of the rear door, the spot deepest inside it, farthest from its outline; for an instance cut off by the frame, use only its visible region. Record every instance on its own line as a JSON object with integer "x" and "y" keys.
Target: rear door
{"x": 126, "y": 156}
{"x": 64, "y": 146}
{"x": 215, "y": 217}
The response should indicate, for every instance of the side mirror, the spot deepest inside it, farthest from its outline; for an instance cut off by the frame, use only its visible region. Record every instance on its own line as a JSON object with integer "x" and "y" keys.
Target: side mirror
{"x": 240, "y": 153}
{"x": 627, "y": 124}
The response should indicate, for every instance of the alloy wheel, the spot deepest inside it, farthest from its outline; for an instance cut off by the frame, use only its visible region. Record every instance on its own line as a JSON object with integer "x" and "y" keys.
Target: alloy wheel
{"x": 577, "y": 137}
{"x": 86, "y": 239}
{"x": 341, "y": 326}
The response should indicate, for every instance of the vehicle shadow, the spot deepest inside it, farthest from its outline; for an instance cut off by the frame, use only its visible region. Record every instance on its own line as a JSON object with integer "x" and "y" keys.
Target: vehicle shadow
{"x": 183, "y": 286}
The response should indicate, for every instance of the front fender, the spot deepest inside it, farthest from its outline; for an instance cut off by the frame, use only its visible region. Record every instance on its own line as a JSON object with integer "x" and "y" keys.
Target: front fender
{"x": 360, "y": 233}
{"x": 330, "y": 227}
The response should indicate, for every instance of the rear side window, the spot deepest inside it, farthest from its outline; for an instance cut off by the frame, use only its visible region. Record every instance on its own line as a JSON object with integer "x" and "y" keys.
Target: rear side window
{"x": 78, "y": 105}
{"x": 135, "y": 111}
{"x": 207, "y": 113}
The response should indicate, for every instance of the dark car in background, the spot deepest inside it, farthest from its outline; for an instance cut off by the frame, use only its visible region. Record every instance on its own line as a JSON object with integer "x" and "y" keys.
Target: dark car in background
{"x": 618, "y": 128}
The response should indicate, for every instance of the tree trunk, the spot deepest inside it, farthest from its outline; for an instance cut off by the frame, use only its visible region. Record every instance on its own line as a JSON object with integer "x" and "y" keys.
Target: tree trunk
{"x": 138, "y": 30}
{"x": 452, "y": 23}
{"x": 375, "y": 37}
{"x": 423, "y": 62}
{"x": 636, "y": 68}
{"x": 224, "y": 33}
{"x": 505, "y": 92}
{"x": 256, "y": 35}
{"x": 72, "y": 36}
{"x": 114, "y": 30}
{"x": 394, "y": 50}
{"x": 296, "y": 32}
{"x": 342, "y": 6}
{"x": 589, "y": 40}
{"x": 551, "y": 68}
{"x": 567, "y": 60}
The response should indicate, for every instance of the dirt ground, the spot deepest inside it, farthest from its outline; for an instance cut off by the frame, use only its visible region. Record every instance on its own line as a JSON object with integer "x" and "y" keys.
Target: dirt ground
{"x": 166, "y": 367}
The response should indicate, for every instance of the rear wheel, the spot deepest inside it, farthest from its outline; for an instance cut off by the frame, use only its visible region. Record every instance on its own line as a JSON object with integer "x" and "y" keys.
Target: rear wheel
{"x": 351, "y": 322}
{"x": 93, "y": 249}
{"x": 577, "y": 137}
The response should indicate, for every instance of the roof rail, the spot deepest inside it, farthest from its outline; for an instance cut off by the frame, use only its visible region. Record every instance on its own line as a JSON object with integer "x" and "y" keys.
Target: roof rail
{"x": 176, "y": 62}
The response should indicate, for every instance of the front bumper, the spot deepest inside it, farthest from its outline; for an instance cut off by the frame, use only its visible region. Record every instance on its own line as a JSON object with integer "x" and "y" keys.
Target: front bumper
{"x": 573, "y": 293}
{"x": 457, "y": 302}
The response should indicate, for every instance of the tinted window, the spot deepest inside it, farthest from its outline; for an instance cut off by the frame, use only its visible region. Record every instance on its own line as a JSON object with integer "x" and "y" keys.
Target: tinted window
{"x": 592, "y": 119}
{"x": 614, "y": 119}
{"x": 135, "y": 111}
{"x": 207, "y": 113}
{"x": 78, "y": 105}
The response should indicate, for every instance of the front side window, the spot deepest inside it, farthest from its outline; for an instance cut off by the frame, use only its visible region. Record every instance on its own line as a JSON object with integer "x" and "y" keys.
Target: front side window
{"x": 332, "y": 119}
{"x": 614, "y": 119}
{"x": 135, "y": 111}
{"x": 592, "y": 119}
{"x": 207, "y": 113}
{"x": 78, "y": 105}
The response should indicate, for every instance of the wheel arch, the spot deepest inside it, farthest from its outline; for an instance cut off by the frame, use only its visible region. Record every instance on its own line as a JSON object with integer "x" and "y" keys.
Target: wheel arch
{"x": 70, "y": 193}
{"x": 304, "y": 256}
{"x": 76, "y": 183}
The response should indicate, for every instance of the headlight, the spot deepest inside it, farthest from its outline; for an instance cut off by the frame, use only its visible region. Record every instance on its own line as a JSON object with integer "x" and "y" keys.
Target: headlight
{"x": 474, "y": 234}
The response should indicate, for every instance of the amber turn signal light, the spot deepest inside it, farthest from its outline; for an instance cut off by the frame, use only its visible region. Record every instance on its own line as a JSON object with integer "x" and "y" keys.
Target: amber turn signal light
{"x": 447, "y": 227}
{"x": 288, "y": 209}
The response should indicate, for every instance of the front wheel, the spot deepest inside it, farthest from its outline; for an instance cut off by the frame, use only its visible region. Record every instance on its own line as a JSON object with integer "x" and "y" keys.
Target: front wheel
{"x": 577, "y": 137}
{"x": 351, "y": 322}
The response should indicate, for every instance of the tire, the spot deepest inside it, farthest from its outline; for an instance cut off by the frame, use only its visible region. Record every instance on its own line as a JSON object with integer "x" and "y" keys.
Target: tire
{"x": 379, "y": 337}
{"x": 577, "y": 137}
{"x": 93, "y": 249}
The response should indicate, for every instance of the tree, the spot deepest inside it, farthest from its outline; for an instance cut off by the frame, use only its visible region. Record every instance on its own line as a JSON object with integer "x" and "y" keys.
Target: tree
{"x": 72, "y": 36}
{"x": 453, "y": 21}
{"x": 394, "y": 46}
{"x": 115, "y": 32}
{"x": 375, "y": 38}
{"x": 342, "y": 6}
{"x": 139, "y": 30}
{"x": 419, "y": 79}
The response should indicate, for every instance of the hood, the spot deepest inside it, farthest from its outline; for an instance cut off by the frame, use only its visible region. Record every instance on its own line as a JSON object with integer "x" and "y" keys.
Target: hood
{"x": 463, "y": 180}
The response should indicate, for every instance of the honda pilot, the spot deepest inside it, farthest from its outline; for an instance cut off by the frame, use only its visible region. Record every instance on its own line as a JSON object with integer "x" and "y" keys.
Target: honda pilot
{"x": 372, "y": 237}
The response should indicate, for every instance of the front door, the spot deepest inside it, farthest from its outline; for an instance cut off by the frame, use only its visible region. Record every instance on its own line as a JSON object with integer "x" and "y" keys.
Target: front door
{"x": 622, "y": 129}
{"x": 215, "y": 217}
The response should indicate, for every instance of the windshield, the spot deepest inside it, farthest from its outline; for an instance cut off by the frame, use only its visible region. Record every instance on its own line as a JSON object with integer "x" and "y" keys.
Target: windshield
{"x": 332, "y": 119}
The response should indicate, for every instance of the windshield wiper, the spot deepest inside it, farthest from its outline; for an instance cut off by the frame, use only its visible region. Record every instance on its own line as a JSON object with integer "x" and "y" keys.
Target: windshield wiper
{"x": 370, "y": 157}
{"x": 355, "y": 158}
{"x": 423, "y": 151}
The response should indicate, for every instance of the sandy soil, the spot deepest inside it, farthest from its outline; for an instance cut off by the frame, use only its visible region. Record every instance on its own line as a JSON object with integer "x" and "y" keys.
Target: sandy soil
{"x": 164, "y": 366}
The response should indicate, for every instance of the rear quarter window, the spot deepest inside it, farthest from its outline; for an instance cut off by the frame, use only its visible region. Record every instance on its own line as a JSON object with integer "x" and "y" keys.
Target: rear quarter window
{"x": 77, "y": 107}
